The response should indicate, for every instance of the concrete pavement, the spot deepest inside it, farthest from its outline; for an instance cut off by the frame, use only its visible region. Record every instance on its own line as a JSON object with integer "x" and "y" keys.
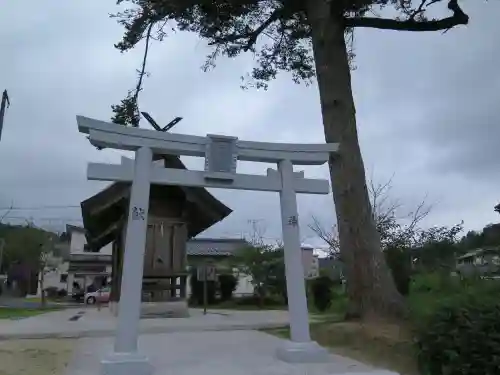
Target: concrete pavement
{"x": 211, "y": 353}
{"x": 219, "y": 342}
{"x": 78, "y": 323}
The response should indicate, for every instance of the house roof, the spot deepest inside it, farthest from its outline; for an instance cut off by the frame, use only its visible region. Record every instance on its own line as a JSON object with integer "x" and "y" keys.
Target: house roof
{"x": 480, "y": 251}
{"x": 104, "y": 213}
{"x": 73, "y": 228}
{"x": 214, "y": 246}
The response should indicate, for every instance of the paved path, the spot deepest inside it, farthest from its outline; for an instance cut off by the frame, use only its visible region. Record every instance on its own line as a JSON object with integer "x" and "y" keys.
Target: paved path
{"x": 94, "y": 323}
{"x": 221, "y": 342}
{"x": 210, "y": 353}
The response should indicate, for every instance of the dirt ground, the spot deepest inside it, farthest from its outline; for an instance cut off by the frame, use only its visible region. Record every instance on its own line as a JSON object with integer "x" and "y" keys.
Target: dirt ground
{"x": 35, "y": 357}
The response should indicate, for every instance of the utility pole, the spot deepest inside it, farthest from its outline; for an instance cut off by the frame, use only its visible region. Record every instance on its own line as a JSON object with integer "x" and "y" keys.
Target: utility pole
{"x": 2, "y": 245}
{"x": 5, "y": 103}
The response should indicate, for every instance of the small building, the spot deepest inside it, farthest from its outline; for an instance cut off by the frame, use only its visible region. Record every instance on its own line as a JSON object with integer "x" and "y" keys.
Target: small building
{"x": 76, "y": 267}
{"x": 309, "y": 261}
{"x": 176, "y": 214}
{"x": 217, "y": 251}
{"x": 482, "y": 261}
{"x": 87, "y": 267}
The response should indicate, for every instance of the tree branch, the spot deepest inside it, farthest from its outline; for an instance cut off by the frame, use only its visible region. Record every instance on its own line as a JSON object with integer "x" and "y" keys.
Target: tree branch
{"x": 458, "y": 18}
{"x": 328, "y": 236}
{"x": 6, "y": 212}
{"x": 250, "y": 35}
{"x": 142, "y": 72}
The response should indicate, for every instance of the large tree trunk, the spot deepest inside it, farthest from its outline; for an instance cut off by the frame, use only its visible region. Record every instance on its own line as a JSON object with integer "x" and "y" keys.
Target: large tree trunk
{"x": 370, "y": 286}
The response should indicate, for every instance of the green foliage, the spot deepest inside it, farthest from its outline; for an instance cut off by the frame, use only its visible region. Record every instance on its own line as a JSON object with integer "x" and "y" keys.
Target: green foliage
{"x": 227, "y": 285}
{"x": 25, "y": 244}
{"x": 461, "y": 337}
{"x": 429, "y": 291}
{"x": 127, "y": 112}
{"x": 435, "y": 248}
{"x": 399, "y": 262}
{"x": 321, "y": 288}
{"x": 234, "y": 26}
{"x": 265, "y": 266}
{"x": 432, "y": 282}
{"x": 489, "y": 236}
{"x": 276, "y": 279}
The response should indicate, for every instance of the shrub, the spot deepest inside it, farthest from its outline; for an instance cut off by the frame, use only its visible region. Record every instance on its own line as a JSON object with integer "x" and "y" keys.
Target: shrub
{"x": 398, "y": 261}
{"x": 462, "y": 336}
{"x": 437, "y": 282}
{"x": 321, "y": 289}
{"x": 227, "y": 285}
{"x": 61, "y": 293}
{"x": 51, "y": 292}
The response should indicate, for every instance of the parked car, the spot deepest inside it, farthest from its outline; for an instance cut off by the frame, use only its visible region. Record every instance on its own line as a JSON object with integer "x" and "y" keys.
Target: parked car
{"x": 101, "y": 295}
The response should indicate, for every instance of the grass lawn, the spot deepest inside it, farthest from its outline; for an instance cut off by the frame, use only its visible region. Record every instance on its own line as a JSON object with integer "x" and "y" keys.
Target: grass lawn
{"x": 17, "y": 313}
{"x": 384, "y": 346}
{"x": 381, "y": 345}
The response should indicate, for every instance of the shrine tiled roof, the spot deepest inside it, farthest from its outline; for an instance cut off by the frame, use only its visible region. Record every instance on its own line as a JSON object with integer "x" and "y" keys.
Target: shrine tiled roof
{"x": 214, "y": 246}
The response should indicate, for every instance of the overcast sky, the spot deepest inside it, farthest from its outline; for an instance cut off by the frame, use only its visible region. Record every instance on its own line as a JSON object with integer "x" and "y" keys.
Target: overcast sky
{"x": 428, "y": 110}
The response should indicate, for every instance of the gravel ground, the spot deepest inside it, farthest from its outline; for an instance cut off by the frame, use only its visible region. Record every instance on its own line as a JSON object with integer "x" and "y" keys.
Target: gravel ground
{"x": 35, "y": 357}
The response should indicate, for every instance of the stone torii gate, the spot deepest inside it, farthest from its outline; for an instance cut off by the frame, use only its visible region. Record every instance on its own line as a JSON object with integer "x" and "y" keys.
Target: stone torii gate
{"x": 221, "y": 155}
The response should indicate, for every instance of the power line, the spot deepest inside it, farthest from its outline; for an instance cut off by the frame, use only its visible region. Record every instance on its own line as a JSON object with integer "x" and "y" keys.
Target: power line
{"x": 14, "y": 208}
{"x": 42, "y": 218}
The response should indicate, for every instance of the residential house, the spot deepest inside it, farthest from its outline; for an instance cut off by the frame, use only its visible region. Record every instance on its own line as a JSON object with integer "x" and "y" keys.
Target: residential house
{"x": 482, "y": 261}
{"x": 219, "y": 252}
{"x": 77, "y": 266}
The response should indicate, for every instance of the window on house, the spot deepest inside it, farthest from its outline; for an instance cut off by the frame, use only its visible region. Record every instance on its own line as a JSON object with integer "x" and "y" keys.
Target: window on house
{"x": 63, "y": 278}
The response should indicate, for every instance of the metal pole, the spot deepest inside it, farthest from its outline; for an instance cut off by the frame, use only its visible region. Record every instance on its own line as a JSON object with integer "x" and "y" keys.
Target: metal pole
{"x": 2, "y": 245}
{"x": 205, "y": 291}
{"x": 5, "y": 102}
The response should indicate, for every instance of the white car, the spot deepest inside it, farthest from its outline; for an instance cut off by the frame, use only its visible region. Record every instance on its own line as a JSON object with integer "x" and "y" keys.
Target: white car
{"x": 101, "y": 295}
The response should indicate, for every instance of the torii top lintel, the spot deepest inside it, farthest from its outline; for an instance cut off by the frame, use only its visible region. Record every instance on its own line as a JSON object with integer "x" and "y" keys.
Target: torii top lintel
{"x": 106, "y": 134}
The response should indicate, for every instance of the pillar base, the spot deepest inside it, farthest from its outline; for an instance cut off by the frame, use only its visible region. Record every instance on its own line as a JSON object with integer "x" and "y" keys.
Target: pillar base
{"x": 126, "y": 364}
{"x": 302, "y": 352}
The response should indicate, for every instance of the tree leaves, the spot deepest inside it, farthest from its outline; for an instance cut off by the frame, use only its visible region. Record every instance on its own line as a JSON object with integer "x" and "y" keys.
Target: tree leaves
{"x": 25, "y": 244}
{"x": 276, "y": 32}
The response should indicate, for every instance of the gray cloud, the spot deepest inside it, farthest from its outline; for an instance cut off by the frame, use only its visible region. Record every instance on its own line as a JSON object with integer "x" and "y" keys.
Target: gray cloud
{"x": 427, "y": 112}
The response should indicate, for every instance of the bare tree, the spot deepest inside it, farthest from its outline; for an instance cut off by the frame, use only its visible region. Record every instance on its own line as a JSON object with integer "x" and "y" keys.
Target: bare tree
{"x": 329, "y": 236}
{"x": 393, "y": 227}
{"x": 257, "y": 232}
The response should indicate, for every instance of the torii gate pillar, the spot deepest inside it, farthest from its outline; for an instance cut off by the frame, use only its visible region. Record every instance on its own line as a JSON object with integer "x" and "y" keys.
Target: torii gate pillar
{"x": 300, "y": 349}
{"x": 125, "y": 359}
